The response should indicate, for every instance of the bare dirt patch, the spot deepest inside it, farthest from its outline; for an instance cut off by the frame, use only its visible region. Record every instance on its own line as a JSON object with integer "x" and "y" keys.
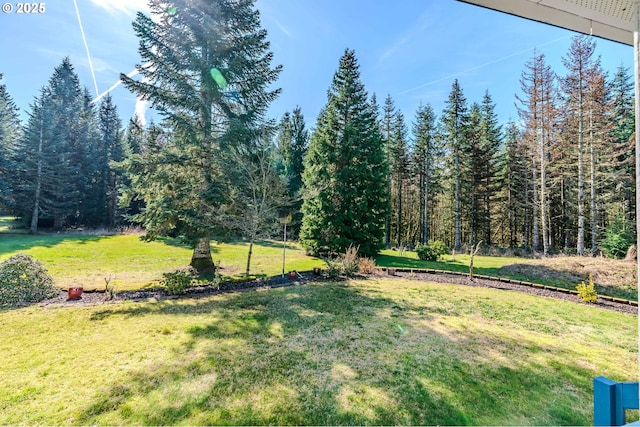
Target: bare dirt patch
{"x": 613, "y": 276}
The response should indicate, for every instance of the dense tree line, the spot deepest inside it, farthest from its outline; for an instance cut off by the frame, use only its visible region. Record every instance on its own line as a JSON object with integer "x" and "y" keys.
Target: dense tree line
{"x": 554, "y": 181}
{"x": 561, "y": 178}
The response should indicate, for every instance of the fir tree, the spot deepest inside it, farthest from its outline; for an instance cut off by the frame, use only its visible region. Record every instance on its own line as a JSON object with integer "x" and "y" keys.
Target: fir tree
{"x": 10, "y": 133}
{"x": 110, "y": 149}
{"x": 207, "y": 70}
{"x": 345, "y": 177}
{"x": 454, "y": 119}
{"x": 581, "y": 66}
{"x": 399, "y": 169}
{"x": 490, "y": 147}
{"x": 53, "y": 153}
{"x": 428, "y": 153}
{"x": 622, "y": 130}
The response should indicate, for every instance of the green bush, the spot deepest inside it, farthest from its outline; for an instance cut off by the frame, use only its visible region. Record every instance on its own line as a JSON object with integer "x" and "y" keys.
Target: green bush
{"x": 177, "y": 282}
{"x": 24, "y": 280}
{"x": 431, "y": 251}
{"x": 618, "y": 237}
{"x": 587, "y": 292}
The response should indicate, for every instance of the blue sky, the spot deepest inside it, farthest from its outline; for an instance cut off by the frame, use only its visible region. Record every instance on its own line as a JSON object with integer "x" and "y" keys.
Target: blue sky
{"x": 411, "y": 49}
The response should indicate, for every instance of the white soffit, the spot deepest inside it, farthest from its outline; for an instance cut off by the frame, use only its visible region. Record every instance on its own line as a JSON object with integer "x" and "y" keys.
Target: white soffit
{"x": 609, "y": 19}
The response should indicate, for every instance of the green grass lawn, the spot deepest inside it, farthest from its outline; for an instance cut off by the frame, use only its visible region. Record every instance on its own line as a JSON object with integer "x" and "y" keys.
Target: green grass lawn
{"x": 132, "y": 263}
{"x": 86, "y": 259}
{"x": 315, "y": 354}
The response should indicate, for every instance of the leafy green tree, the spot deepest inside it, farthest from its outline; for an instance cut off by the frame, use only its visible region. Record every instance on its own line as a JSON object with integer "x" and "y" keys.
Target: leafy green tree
{"x": 346, "y": 173}
{"x": 259, "y": 195}
{"x": 207, "y": 70}
{"x": 10, "y": 133}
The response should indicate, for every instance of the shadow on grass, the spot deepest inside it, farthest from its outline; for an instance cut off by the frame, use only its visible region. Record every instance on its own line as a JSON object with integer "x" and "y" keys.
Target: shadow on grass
{"x": 330, "y": 354}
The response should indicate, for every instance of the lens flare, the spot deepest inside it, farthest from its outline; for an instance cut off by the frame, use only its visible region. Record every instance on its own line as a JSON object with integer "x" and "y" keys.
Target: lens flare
{"x": 402, "y": 330}
{"x": 172, "y": 11}
{"x": 219, "y": 78}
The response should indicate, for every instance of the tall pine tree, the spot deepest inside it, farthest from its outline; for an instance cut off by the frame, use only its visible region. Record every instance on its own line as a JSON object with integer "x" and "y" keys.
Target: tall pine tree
{"x": 346, "y": 172}
{"x": 454, "y": 120}
{"x": 10, "y": 133}
{"x": 207, "y": 70}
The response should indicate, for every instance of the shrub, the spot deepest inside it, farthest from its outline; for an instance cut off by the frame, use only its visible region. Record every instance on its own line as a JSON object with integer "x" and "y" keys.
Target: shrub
{"x": 334, "y": 268}
{"x": 618, "y": 237}
{"x": 346, "y": 264}
{"x": 431, "y": 251}
{"x": 23, "y": 280}
{"x": 350, "y": 261}
{"x": 177, "y": 282}
{"x": 366, "y": 265}
{"x": 587, "y": 292}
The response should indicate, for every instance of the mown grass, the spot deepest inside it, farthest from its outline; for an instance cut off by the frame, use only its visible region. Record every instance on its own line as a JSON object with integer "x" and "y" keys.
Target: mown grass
{"x": 75, "y": 259}
{"x": 542, "y": 271}
{"x": 86, "y": 259}
{"x": 316, "y": 354}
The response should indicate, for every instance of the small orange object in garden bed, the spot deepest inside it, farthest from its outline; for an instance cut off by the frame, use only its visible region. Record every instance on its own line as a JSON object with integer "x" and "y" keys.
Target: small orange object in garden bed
{"x": 293, "y": 274}
{"x": 75, "y": 292}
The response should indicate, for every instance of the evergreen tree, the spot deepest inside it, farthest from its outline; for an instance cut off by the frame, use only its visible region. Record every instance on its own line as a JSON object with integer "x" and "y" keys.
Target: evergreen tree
{"x": 538, "y": 110}
{"x": 454, "y": 120}
{"x": 110, "y": 149}
{"x": 53, "y": 154}
{"x": 427, "y": 154}
{"x": 513, "y": 179}
{"x": 10, "y": 133}
{"x": 345, "y": 177}
{"x": 581, "y": 66}
{"x": 399, "y": 169}
{"x": 207, "y": 71}
{"x": 622, "y": 130}
{"x": 472, "y": 161}
{"x": 292, "y": 142}
{"x": 491, "y": 144}
{"x": 386, "y": 128}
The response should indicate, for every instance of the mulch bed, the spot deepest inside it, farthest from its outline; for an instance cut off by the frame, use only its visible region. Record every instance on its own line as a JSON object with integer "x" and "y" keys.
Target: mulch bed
{"x": 464, "y": 280}
{"x": 99, "y": 298}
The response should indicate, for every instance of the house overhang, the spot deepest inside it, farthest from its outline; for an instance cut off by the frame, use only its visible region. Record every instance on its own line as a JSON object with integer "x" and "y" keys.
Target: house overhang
{"x": 609, "y": 19}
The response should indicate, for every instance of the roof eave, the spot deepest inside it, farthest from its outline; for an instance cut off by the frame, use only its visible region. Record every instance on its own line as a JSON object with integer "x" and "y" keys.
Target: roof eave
{"x": 559, "y": 18}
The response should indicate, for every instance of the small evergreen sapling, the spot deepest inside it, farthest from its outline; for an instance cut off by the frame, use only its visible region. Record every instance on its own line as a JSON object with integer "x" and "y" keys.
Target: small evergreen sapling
{"x": 587, "y": 292}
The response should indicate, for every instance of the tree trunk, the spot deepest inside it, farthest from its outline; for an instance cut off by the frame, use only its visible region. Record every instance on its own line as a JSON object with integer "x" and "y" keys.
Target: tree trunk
{"x": 594, "y": 214}
{"x": 580, "y": 245}
{"x": 36, "y": 197}
{"x": 536, "y": 224}
{"x": 249, "y": 256}
{"x": 399, "y": 236}
{"x": 426, "y": 204}
{"x": 201, "y": 259}
{"x": 543, "y": 195}
{"x": 458, "y": 237}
